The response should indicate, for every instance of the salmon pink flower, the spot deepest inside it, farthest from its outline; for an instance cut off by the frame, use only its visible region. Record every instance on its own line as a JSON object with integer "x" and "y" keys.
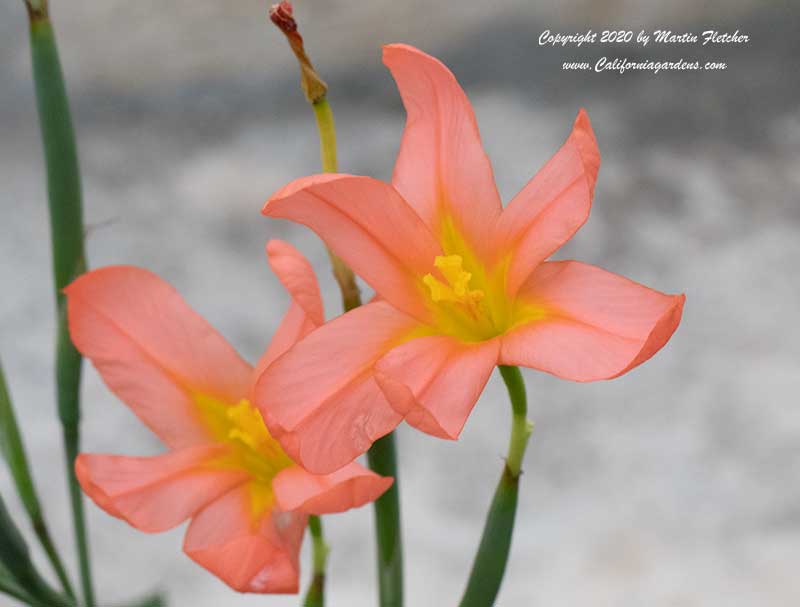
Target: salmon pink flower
{"x": 247, "y": 500}
{"x": 462, "y": 283}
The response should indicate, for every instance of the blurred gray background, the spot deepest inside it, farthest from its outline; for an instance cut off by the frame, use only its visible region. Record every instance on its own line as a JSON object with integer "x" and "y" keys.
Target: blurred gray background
{"x": 677, "y": 485}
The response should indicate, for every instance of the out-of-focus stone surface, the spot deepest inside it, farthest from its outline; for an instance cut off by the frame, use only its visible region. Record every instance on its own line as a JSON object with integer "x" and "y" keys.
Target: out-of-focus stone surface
{"x": 674, "y": 486}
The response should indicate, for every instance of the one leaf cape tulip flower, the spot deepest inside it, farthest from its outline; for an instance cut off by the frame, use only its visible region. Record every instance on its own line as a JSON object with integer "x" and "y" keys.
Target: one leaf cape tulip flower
{"x": 247, "y": 500}
{"x": 462, "y": 283}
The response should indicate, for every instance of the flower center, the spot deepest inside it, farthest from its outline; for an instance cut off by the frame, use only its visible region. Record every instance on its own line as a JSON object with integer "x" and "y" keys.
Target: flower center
{"x": 456, "y": 288}
{"x": 460, "y": 309}
{"x": 242, "y": 428}
{"x": 467, "y": 298}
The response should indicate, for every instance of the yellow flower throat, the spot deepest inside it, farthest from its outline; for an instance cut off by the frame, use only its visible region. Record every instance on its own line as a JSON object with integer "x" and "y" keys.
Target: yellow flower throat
{"x": 468, "y": 300}
{"x": 251, "y": 447}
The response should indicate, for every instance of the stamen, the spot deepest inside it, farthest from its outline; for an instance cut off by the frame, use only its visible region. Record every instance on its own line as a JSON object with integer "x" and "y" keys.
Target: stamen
{"x": 457, "y": 289}
{"x": 248, "y": 426}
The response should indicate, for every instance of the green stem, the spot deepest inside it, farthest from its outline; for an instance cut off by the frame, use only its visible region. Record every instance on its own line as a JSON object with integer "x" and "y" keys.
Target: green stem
{"x": 521, "y": 428}
{"x": 13, "y": 450}
{"x": 327, "y": 134}
{"x": 492, "y": 556}
{"x": 66, "y": 230}
{"x": 351, "y": 296}
{"x": 382, "y": 458}
{"x": 382, "y": 455}
{"x": 315, "y": 597}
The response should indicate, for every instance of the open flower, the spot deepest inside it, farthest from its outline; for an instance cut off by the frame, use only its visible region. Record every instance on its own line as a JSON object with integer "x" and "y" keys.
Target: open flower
{"x": 247, "y": 500}
{"x": 462, "y": 283}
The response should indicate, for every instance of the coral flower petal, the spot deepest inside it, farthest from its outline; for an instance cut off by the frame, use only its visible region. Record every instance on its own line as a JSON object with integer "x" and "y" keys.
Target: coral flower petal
{"x": 369, "y": 225}
{"x": 597, "y": 325}
{"x": 305, "y": 313}
{"x": 552, "y": 206}
{"x": 320, "y": 399}
{"x": 153, "y": 350}
{"x": 350, "y": 487}
{"x": 435, "y": 381}
{"x": 251, "y": 554}
{"x": 156, "y": 493}
{"x": 442, "y": 168}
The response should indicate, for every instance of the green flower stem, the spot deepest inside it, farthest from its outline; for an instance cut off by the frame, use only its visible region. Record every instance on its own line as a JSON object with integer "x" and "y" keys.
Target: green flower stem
{"x": 521, "y": 428}
{"x": 351, "y": 296}
{"x": 490, "y": 561}
{"x": 382, "y": 458}
{"x": 13, "y": 450}
{"x": 327, "y": 134}
{"x": 16, "y": 560}
{"x": 66, "y": 230}
{"x": 382, "y": 455}
{"x": 315, "y": 597}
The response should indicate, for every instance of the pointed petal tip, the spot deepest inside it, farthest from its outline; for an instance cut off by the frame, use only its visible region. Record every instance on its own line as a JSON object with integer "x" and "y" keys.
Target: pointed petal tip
{"x": 662, "y": 332}
{"x": 396, "y": 48}
{"x": 605, "y": 326}
{"x": 585, "y": 140}
{"x": 276, "y": 246}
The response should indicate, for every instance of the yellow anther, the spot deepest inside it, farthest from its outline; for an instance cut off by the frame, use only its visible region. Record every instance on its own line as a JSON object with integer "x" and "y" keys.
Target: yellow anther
{"x": 452, "y": 268}
{"x": 247, "y": 439}
{"x": 439, "y": 290}
{"x": 248, "y": 426}
{"x": 457, "y": 289}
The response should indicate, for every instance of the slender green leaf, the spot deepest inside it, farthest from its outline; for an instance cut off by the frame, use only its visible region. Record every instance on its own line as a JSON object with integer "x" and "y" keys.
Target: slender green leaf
{"x": 17, "y": 561}
{"x": 13, "y": 451}
{"x": 154, "y": 600}
{"x": 66, "y": 230}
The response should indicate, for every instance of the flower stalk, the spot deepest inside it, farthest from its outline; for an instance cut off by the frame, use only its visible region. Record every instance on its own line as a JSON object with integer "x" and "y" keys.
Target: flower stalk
{"x": 382, "y": 456}
{"x": 66, "y": 229}
{"x": 490, "y": 562}
{"x": 316, "y": 92}
{"x": 315, "y": 596}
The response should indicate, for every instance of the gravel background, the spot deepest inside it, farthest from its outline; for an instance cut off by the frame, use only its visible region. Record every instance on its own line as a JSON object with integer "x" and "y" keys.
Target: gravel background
{"x": 676, "y": 485}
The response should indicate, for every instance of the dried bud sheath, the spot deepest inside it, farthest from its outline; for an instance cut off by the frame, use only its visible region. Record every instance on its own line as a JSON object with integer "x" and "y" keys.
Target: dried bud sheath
{"x": 313, "y": 86}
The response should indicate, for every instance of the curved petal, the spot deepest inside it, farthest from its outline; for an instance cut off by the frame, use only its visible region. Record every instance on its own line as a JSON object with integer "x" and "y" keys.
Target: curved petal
{"x": 442, "y": 168}
{"x": 152, "y": 350}
{"x": 306, "y": 311}
{"x": 156, "y": 493}
{"x": 297, "y": 276}
{"x": 320, "y": 399}
{"x": 350, "y": 487}
{"x": 598, "y": 325}
{"x": 368, "y": 224}
{"x": 552, "y": 206}
{"x": 251, "y": 554}
{"x": 435, "y": 381}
